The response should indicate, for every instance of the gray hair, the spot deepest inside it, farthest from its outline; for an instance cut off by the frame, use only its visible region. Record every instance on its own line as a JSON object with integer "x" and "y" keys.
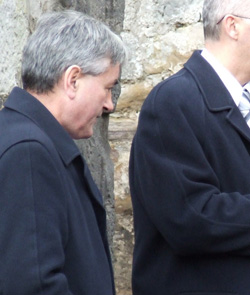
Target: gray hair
{"x": 67, "y": 38}
{"x": 215, "y": 10}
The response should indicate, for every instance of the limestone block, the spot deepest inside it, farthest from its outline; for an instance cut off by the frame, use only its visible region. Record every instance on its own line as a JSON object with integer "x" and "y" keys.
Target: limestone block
{"x": 184, "y": 12}
{"x": 121, "y": 132}
{"x": 133, "y": 95}
{"x": 13, "y": 34}
{"x": 156, "y": 31}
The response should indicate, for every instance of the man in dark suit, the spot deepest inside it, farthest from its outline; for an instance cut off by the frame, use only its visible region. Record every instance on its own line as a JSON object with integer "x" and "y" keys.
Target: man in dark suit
{"x": 190, "y": 168}
{"x": 53, "y": 224}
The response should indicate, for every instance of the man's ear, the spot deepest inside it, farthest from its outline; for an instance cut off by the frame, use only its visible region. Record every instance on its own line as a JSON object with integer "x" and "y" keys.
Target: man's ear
{"x": 232, "y": 26}
{"x": 71, "y": 76}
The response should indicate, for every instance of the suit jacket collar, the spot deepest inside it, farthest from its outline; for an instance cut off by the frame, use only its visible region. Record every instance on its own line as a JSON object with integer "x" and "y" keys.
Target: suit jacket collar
{"x": 21, "y": 101}
{"x": 214, "y": 92}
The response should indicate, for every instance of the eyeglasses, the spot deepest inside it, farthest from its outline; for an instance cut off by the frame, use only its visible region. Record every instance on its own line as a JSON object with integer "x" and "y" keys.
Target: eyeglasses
{"x": 232, "y": 15}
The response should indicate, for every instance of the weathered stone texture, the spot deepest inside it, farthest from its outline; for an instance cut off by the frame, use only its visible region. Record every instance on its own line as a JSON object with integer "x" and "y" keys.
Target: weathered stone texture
{"x": 13, "y": 34}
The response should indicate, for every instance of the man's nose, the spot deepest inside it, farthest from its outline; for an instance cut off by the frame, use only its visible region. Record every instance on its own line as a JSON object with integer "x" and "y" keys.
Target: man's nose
{"x": 108, "y": 106}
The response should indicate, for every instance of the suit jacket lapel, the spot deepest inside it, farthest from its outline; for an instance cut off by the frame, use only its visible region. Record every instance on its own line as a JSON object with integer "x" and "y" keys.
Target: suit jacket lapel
{"x": 215, "y": 94}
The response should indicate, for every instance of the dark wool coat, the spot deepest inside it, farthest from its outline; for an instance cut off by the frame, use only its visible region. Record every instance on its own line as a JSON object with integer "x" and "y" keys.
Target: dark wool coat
{"x": 190, "y": 186}
{"x": 52, "y": 221}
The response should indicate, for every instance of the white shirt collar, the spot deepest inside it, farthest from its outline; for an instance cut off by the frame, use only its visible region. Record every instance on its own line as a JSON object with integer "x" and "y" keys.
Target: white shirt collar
{"x": 230, "y": 82}
{"x": 247, "y": 87}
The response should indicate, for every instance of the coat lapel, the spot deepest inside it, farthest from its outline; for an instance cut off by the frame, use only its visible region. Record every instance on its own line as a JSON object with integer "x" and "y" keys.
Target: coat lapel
{"x": 91, "y": 185}
{"x": 96, "y": 200}
{"x": 236, "y": 119}
{"x": 216, "y": 96}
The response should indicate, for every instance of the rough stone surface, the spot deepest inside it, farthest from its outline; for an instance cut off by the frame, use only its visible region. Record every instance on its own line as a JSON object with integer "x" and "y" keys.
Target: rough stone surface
{"x": 13, "y": 34}
{"x": 121, "y": 133}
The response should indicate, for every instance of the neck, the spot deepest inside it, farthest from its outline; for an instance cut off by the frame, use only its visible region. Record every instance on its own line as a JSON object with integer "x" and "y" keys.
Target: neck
{"x": 230, "y": 58}
{"x": 49, "y": 100}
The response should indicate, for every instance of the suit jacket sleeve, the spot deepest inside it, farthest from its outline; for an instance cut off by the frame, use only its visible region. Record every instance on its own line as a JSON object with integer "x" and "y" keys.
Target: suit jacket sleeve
{"x": 172, "y": 179}
{"x": 33, "y": 222}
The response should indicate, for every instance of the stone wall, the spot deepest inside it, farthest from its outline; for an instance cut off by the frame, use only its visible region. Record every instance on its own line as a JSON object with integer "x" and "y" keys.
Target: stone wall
{"x": 161, "y": 35}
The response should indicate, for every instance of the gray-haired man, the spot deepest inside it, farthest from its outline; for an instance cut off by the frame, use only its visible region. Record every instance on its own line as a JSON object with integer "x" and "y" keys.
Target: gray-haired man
{"x": 53, "y": 227}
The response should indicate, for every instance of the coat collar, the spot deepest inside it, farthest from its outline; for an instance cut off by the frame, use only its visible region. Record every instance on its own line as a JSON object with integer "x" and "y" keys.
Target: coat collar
{"x": 21, "y": 101}
{"x": 212, "y": 88}
{"x": 215, "y": 94}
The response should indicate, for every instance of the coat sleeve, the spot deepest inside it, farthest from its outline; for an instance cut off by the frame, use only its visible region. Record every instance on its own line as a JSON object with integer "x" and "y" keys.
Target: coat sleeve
{"x": 172, "y": 180}
{"x": 33, "y": 221}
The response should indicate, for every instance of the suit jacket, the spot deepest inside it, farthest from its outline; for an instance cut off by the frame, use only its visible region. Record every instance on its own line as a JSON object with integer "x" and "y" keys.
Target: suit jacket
{"x": 190, "y": 186}
{"x": 53, "y": 224}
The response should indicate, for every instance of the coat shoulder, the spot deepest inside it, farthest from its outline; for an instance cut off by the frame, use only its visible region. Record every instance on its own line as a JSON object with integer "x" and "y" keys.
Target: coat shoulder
{"x": 178, "y": 92}
{"x": 16, "y": 128}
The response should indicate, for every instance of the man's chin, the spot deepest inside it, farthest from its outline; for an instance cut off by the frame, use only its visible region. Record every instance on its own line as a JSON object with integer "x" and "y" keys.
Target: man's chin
{"x": 83, "y": 135}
